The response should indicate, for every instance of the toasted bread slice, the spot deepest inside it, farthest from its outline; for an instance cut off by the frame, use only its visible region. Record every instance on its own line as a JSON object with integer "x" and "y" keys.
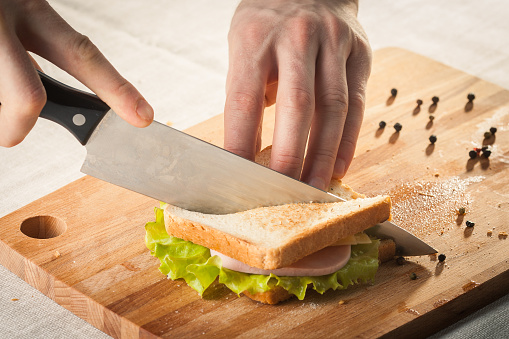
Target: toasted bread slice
{"x": 277, "y": 236}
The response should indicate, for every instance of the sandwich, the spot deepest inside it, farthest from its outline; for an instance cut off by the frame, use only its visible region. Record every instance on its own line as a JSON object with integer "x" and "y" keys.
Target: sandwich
{"x": 273, "y": 253}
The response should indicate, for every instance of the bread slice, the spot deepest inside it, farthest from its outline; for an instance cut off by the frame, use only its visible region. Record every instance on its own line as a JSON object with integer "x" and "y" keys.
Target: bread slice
{"x": 277, "y": 236}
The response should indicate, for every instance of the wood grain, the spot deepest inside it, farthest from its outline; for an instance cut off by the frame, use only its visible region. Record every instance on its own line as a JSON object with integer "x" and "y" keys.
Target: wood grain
{"x": 100, "y": 269}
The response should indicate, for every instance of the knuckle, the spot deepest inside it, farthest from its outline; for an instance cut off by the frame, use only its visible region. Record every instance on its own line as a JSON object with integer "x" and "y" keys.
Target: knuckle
{"x": 33, "y": 100}
{"x": 335, "y": 27}
{"x": 300, "y": 100}
{"x": 333, "y": 101}
{"x": 357, "y": 100}
{"x": 243, "y": 152}
{"x": 338, "y": 31}
{"x": 31, "y": 5}
{"x": 303, "y": 29}
{"x": 325, "y": 156}
{"x": 362, "y": 56}
{"x": 243, "y": 101}
{"x": 348, "y": 143}
{"x": 83, "y": 49}
{"x": 124, "y": 89}
{"x": 248, "y": 32}
{"x": 288, "y": 163}
{"x": 364, "y": 48}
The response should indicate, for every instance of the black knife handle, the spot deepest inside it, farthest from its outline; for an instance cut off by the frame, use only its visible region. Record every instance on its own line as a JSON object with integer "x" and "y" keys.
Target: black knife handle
{"x": 79, "y": 112}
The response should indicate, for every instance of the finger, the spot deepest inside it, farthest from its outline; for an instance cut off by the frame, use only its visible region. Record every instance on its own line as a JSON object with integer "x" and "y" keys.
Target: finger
{"x": 358, "y": 70}
{"x": 329, "y": 118}
{"x": 245, "y": 101}
{"x": 53, "y": 39}
{"x": 22, "y": 95}
{"x": 295, "y": 104}
{"x": 34, "y": 62}
{"x": 259, "y": 136}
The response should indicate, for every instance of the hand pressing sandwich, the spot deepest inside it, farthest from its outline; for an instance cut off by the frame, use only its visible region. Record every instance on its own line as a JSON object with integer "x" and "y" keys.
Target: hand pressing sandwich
{"x": 312, "y": 59}
{"x": 272, "y": 253}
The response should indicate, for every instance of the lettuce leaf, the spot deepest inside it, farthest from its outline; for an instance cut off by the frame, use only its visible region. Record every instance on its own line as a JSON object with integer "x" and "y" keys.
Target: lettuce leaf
{"x": 182, "y": 259}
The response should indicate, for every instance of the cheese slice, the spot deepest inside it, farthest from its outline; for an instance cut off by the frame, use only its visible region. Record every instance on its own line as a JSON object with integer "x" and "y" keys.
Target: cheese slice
{"x": 354, "y": 239}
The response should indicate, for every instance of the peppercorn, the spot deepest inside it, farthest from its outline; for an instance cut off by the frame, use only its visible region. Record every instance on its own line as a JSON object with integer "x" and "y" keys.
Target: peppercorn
{"x": 398, "y": 127}
{"x": 419, "y": 102}
{"x": 433, "y": 139}
{"x": 472, "y": 154}
{"x": 435, "y": 99}
{"x": 400, "y": 260}
{"x": 441, "y": 257}
{"x": 486, "y": 153}
{"x": 431, "y": 117}
{"x": 471, "y": 97}
{"x": 394, "y": 92}
{"x": 487, "y": 135}
{"x": 462, "y": 211}
{"x": 382, "y": 124}
{"x": 469, "y": 223}
{"x": 413, "y": 276}
{"x": 493, "y": 130}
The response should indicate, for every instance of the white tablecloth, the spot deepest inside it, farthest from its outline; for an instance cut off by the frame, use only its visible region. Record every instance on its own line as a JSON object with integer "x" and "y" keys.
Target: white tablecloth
{"x": 175, "y": 52}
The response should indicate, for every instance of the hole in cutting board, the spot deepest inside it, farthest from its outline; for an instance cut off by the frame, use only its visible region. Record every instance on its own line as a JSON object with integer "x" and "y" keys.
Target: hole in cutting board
{"x": 43, "y": 227}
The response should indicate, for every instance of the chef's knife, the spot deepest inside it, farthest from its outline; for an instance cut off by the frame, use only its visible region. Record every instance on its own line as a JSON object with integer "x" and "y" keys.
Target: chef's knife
{"x": 166, "y": 164}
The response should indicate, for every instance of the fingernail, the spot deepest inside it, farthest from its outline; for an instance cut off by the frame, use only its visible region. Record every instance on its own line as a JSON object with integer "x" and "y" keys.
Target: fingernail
{"x": 339, "y": 169}
{"x": 144, "y": 110}
{"x": 318, "y": 183}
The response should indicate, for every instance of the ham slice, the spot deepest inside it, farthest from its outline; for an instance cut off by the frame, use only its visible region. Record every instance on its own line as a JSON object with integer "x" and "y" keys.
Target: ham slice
{"x": 325, "y": 261}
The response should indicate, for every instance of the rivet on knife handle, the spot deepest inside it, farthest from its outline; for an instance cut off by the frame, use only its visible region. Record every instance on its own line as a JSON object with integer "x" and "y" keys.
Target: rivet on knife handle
{"x": 77, "y": 111}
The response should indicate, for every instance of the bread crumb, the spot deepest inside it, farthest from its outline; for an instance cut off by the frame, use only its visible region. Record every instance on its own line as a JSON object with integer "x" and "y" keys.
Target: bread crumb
{"x": 436, "y": 174}
{"x": 169, "y": 123}
{"x": 57, "y": 254}
{"x": 489, "y": 234}
{"x": 14, "y": 299}
{"x": 341, "y": 302}
{"x": 502, "y": 235}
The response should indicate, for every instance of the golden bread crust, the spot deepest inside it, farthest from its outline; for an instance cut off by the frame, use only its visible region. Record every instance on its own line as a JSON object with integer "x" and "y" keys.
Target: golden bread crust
{"x": 273, "y": 296}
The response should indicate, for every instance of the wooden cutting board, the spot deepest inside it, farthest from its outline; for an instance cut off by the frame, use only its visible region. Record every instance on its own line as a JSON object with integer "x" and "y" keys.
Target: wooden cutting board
{"x": 85, "y": 245}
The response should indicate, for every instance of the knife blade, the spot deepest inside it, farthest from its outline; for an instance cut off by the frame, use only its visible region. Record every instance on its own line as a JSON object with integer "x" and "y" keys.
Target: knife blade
{"x": 185, "y": 171}
{"x": 168, "y": 165}
{"x": 407, "y": 244}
